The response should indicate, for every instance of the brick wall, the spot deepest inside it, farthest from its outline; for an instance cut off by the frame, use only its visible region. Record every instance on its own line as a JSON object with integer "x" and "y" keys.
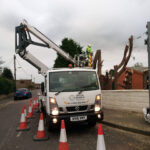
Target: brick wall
{"x": 23, "y": 83}
{"x": 137, "y": 80}
{"x": 120, "y": 80}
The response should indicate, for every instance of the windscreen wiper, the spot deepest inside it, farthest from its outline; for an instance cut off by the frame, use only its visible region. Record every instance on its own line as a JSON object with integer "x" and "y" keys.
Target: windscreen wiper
{"x": 81, "y": 91}
{"x": 60, "y": 92}
{"x": 84, "y": 88}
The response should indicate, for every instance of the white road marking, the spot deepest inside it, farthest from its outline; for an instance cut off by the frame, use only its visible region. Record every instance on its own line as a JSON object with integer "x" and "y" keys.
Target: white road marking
{"x": 5, "y": 104}
{"x": 6, "y": 137}
{"x": 19, "y": 133}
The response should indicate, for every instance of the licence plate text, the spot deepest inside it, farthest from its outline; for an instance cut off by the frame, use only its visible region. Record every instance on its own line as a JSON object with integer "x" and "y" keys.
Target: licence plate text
{"x": 78, "y": 118}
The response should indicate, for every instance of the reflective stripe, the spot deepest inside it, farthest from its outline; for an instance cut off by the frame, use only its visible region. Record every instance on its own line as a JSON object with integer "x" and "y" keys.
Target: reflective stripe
{"x": 22, "y": 117}
{"x": 30, "y": 109}
{"x": 100, "y": 143}
{"x": 25, "y": 112}
{"x": 41, "y": 125}
{"x": 89, "y": 60}
{"x": 34, "y": 102}
{"x": 63, "y": 137}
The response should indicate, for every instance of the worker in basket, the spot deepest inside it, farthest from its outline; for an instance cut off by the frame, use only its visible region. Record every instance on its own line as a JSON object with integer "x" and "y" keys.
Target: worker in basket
{"x": 89, "y": 54}
{"x": 88, "y": 50}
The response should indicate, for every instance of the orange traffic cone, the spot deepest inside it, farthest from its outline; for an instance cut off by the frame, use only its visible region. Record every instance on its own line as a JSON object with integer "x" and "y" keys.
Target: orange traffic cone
{"x": 37, "y": 106}
{"x": 34, "y": 103}
{"x": 40, "y": 136}
{"x": 100, "y": 140}
{"x": 37, "y": 102}
{"x": 31, "y": 101}
{"x": 22, "y": 125}
{"x": 30, "y": 113}
{"x": 63, "y": 145}
{"x": 25, "y": 112}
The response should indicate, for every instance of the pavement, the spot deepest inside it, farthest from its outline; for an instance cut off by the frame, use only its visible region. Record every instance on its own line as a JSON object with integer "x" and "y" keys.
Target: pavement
{"x": 4, "y": 97}
{"x": 129, "y": 121}
{"x": 6, "y": 100}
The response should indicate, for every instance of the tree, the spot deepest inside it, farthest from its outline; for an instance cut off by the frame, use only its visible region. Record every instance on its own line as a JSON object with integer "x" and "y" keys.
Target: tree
{"x": 69, "y": 46}
{"x": 138, "y": 64}
{"x": 1, "y": 62}
{"x": 7, "y": 74}
{"x": 119, "y": 69}
{"x": 6, "y": 86}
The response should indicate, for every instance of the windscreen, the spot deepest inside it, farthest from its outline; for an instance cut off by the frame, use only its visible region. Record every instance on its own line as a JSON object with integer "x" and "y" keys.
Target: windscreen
{"x": 73, "y": 81}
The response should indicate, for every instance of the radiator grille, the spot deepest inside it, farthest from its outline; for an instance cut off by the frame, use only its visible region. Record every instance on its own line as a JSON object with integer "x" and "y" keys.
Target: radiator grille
{"x": 77, "y": 108}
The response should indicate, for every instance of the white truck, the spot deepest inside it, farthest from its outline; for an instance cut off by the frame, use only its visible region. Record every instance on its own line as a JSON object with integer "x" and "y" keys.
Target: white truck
{"x": 72, "y": 94}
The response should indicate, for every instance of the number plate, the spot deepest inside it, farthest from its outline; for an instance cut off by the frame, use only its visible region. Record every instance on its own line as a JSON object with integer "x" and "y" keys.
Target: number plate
{"x": 78, "y": 118}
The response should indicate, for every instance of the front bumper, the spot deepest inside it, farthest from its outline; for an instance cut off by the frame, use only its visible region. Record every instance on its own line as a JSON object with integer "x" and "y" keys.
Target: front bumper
{"x": 20, "y": 96}
{"x": 90, "y": 117}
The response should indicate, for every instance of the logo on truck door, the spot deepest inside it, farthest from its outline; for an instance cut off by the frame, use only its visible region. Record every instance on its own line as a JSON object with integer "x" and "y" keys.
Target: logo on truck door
{"x": 80, "y": 97}
{"x": 76, "y": 100}
{"x": 72, "y": 97}
{"x": 77, "y": 108}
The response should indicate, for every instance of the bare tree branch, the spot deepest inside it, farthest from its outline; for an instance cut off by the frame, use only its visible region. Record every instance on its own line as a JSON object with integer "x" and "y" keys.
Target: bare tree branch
{"x": 124, "y": 56}
{"x": 128, "y": 57}
{"x": 124, "y": 62}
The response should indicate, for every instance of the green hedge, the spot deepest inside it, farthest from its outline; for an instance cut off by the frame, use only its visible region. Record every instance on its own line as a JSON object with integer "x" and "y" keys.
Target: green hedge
{"x": 6, "y": 86}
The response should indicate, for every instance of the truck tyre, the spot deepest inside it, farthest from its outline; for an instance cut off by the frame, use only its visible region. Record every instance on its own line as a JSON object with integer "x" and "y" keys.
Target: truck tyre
{"x": 42, "y": 108}
{"x": 47, "y": 122}
{"x": 102, "y": 116}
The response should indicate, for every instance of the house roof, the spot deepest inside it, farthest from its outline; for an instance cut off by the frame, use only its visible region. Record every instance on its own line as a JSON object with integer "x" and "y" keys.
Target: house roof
{"x": 138, "y": 68}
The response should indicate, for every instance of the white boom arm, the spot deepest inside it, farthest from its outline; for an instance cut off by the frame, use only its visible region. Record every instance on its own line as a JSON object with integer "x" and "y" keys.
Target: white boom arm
{"x": 48, "y": 42}
{"x": 23, "y": 39}
{"x": 42, "y": 68}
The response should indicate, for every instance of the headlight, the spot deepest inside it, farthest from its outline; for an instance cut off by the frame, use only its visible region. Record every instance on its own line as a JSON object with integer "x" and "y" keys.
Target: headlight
{"x": 52, "y": 100}
{"x": 53, "y": 106}
{"x": 98, "y": 97}
{"x": 97, "y": 103}
{"x": 97, "y": 108}
{"x": 55, "y": 111}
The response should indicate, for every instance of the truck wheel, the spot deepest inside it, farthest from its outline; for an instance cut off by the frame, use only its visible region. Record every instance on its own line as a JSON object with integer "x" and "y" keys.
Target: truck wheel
{"x": 50, "y": 127}
{"x": 102, "y": 116}
{"x": 92, "y": 123}
{"x": 47, "y": 123}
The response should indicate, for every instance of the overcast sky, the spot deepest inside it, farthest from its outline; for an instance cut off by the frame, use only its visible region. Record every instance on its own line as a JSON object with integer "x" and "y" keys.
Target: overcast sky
{"x": 105, "y": 24}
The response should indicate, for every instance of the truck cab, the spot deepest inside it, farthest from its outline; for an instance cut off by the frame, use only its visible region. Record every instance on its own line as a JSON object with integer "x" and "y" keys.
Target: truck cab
{"x": 74, "y": 95}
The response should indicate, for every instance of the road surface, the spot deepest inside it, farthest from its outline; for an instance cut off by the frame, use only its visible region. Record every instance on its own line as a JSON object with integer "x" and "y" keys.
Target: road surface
{"x": 80, "y": 137}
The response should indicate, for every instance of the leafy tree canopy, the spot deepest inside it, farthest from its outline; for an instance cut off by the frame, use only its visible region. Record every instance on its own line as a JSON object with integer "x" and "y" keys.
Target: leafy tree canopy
{"x": 138, "y": 64}
{"x": 69, "y": 46}
{"x": 1, "y": 61}
{"x": 7, "y": 74}
{"x": 6, "y": 86}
